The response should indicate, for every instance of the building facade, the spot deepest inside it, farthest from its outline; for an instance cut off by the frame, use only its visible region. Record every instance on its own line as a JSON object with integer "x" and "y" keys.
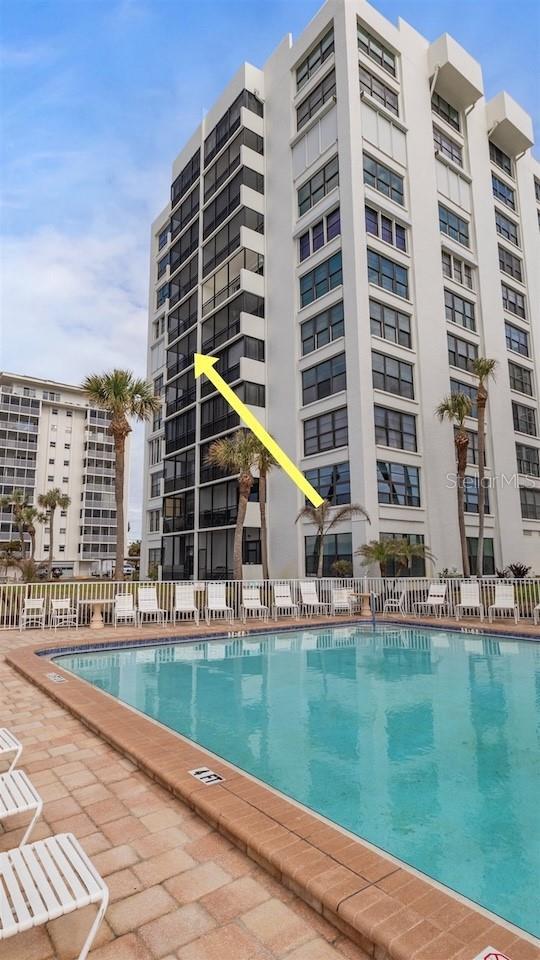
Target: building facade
{"x": 348, "y": 229}
{"x": 51, "y": 437}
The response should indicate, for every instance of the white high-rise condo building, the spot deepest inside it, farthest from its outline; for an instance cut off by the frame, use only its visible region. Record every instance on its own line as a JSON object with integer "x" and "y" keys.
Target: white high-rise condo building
{"x": 348, "y": 229}
{"x": 51, "y": 437}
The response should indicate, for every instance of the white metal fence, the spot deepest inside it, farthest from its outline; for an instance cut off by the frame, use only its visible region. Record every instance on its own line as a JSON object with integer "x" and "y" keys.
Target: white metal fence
{"x": 411, "y": 590}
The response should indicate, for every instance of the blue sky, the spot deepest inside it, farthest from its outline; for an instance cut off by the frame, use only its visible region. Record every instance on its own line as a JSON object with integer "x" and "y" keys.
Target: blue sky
{"x": 97, "y": 97}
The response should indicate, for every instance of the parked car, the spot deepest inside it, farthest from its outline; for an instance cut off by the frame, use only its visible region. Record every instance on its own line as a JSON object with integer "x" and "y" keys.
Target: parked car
{"x": 128, "y": 569}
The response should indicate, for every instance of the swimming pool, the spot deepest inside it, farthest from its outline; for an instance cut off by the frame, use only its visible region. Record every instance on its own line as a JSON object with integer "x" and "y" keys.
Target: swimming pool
{"x": 423, "y": 742}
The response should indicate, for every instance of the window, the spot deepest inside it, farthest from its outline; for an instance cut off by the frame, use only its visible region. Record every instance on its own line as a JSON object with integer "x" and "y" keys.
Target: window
{"x": 392, "y": 376}
{"x": 154, "y": 451}
{"x": 162, "y": 265}
{"x": 443, "y": 109}
{"x": 448, "y": 147}
{"x": 67, "y": 446}
{"x": 251, "y": 546}
{"x": 322, "y": 329}
{"x": 52, "y": 444}
{"x": 154, "y": 557}
{"x": 226, "y": 322}
{"x": 506, "y": 228}
{"x": 336, "y": 547}
{"x": 51, "y": 463}
{"x": 385, "y": 228}
{"x": 398, "y": 484}
{"x": 186, "y": 178}
{"x": 326, "y": 432}
{"x": 417, "y": 567}
{"x": 182, "y": 318}
{"x": 229, "y": 122}
{"x": 226, "y": 240}
{"x": 489, "y": 556}
{"x": 528, "y": 460}
{"x": 155, "y": 484}
{"x": 470, "y": 491}
{"x": 323, "y": 92}
{"x": 50, "y": 479}
{"x": 332, "y": 482}
{"x": 379, "y": 91}
{"x": 537, "y": 189}
{"x": 376, "y": 51}
{"x": 472, "y": 449}
{"x": 524, "y": 419}
{"x": 163, "y": 237}
{"x": 383, "y": 179}
{"x": 324, "y": 379}
{"x": 66, "y": 480}
{"x": 251, "y": 393}
{"x": 229, "y": 199}
{"x": 320, "y": 184}
{"x": 216, "y": 416}
{"x": 181, "y": 393}
{"x": 500, "y": 159}
{"x": 185, "y": 212}
{"x": 520, "y": 378}
{"x": 315, "y": 58}
{"x": 177, "y": 557}
{"x": 184, "y": 247}
{"x": 223, "y": 284}
{"x": 157, "y": 419}
{"x": 66, "y": 463}
{"x": 229, "y": 160}
{"x": 154, "y": 517}
{"x": 453, "y": 226}
{"x": 158, "y": 386}
{"x": 516, "y": 339}
{"x": 51, "y": 395}
{"x": 459, "y": 310}
{"x": 457, "y": 270}
{"x": 503, "y": 192}
{"x": 510, "y": 264}
{"x": 319, "y": 234}
{"x": 218, "y": 504}
{"x": 530, "y": 503}
{"x": 180, "y": 431}
{"x": 513, "y": 301}
{"x": 456, "y": 386}
{"x": 390, "y": 324}
{"x": 179, "y": 471}
{"x": 319, "y": 281}
{"x": 461, "y": 353}
{"x": 395, "y": 429}
{"x": 387, "y": 274}
{"x": 162, "y": 295}
{"x": 181, "y": 354}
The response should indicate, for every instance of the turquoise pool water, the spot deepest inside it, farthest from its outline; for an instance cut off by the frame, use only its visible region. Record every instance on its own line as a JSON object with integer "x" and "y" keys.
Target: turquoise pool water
{"x": 426, "y": 743}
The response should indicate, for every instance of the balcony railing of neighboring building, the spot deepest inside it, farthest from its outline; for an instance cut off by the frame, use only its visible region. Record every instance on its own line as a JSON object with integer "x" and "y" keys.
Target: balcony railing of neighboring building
{"x": 244, "y": 260}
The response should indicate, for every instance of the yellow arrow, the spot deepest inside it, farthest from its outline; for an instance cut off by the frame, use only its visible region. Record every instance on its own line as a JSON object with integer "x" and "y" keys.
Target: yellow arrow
{"x": 205, "y": 364}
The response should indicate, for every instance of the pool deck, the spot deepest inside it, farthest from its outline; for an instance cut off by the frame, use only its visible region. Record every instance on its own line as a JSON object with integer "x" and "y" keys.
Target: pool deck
{"x": 233, "y": 870}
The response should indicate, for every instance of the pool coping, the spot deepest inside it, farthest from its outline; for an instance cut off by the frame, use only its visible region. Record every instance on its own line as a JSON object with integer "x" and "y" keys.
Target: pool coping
{"x": 387, "y": 908}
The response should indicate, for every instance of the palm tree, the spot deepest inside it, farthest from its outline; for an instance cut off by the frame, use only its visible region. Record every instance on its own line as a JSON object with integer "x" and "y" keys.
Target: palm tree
{"x": 264, "y": 462}
{"x": 16, "y": 502}
{"x": 50, "y": 502}
{"x": 455, "y": 408}
{"x": 122, "y": 395}
{"x": 379, "y": 552}
{"x": 325, "y": 517}
{"x": 406, "y": 552}
{"x": 31, "y": 516}
{"x": 483, "y": 368}
{"x": 236, "y": 454}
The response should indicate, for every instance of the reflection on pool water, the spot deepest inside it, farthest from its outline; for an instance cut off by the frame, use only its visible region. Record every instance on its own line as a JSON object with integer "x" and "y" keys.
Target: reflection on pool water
{"x": 421, "y": 741}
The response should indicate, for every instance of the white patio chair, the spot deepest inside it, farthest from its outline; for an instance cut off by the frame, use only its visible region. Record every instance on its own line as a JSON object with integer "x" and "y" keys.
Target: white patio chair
{"x": 18, "y": 795}
{"x": 435, "y": 601}
{"x": 536, "y": 614}
{"x": 33, "y": 613}
{"x": 341, "y": 601}
{"x": 283, "y": 602}
{"x": 184, "y": 602}
{"x": 216, "y": 603}
{"x": 46, "y": 880}
{"x": 63, "y": 614}
{"x": 505, "y": 602}
{"x": 10, "y": 744}
{"x": 251, "y": 605}
{"x": 395, "y": 603}
{"x": 125, "y": 610}
{"x": 309, "y": 600}
{"x": 469, "y": 599}
{"x": 149, "y": 607}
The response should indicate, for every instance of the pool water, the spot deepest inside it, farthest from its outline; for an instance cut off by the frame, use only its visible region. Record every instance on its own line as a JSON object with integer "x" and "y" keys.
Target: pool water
{"x": 425, "y": 743}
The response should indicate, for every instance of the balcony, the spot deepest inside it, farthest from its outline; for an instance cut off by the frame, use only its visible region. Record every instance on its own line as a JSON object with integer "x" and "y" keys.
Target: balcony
{"x": 458, "y": 75}
{"x": 509, "y": 127}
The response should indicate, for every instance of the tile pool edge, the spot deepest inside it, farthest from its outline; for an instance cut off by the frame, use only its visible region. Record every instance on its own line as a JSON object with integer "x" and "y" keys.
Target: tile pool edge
{"x": 391, "y": 912}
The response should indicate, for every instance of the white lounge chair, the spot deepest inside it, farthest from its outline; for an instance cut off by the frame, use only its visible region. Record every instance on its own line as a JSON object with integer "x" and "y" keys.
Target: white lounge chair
{"x": 309, "y": 600}
{"x": 469, "y": 599}
{"x": 18, "y": 795}
{"x": 435, "y": 601}
{"x": 283, "y": 602}
{"x": 341, "y": 601}
{"x": 536, "y": 614}
{"x": 184, "y": 602}
{"x": 46, "y": 880}
{"x": 505, "y": 602}
{"x": 33, "y": 613}
{"x": 10, "y": 744}
{"x": 149, "y": 607}
{"x": 63, "y": 614}
{"x": 216, "y": 603}
{"x": 125, "y": 610}
{"x": 251, "y": 605}
{"x": 395, "y": 603}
